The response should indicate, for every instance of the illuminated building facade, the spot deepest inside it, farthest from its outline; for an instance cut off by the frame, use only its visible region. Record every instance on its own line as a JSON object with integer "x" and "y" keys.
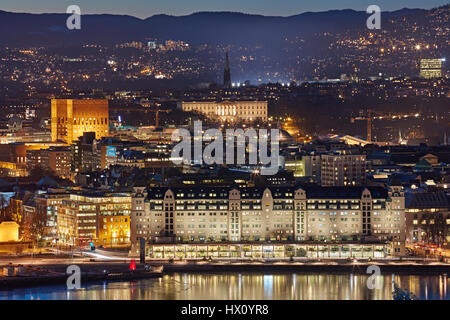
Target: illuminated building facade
{"x": 17, "y": 152}
{"x": 312, "y": 165}
{"x": 47, "y": 206}
{"x": 71, "y": 118}
{"x": 296, "y": 166}
{"x": 34, "y": 159}
{"x": 275, "y": 214}
{"x": 103, "y": 219}
{"x": 428, "y": 219}
{"x": 267, "y": 251}
{"x": 11, "y": 169}
{"x": 114, "y": 230}
{"x": 230, "y": 111}
{"x": 57, "y": 159}
{"x": 430, "y": 68}
{"x": 343, "y": 170}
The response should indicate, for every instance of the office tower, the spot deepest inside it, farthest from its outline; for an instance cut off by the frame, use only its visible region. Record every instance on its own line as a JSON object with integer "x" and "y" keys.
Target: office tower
{"x": 85, "y": 155}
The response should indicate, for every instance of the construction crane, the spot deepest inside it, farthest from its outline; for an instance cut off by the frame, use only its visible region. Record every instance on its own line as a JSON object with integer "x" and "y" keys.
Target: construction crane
{"x": 157, "y": 110}
{"x": 369, "y": 119}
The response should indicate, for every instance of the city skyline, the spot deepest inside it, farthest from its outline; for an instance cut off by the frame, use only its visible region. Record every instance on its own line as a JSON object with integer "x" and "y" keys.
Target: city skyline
{"x": 248, "y": 153}
{"x": 142, "y": 9}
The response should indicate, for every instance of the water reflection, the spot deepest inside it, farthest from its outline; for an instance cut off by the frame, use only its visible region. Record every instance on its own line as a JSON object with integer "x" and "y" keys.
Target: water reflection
{"x": 249, "y": 286}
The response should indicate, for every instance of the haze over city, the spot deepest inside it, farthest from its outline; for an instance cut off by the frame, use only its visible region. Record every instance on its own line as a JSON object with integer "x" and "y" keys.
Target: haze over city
{"x": 144, "y": 9}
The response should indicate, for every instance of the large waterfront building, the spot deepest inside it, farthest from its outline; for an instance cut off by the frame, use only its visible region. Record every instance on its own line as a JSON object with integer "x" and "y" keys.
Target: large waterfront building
{"x": 71, "y": 118}
{"x": 231, "y": 111}
{"x": 275, "y": 214}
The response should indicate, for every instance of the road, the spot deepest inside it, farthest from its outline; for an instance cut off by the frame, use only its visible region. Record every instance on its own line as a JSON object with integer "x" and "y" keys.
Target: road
{"x": 70, "y": 257}
{"x": 433, "y": 251}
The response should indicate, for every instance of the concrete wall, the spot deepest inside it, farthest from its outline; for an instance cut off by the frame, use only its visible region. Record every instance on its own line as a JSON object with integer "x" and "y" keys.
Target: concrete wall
{"x": 9, "y": 231}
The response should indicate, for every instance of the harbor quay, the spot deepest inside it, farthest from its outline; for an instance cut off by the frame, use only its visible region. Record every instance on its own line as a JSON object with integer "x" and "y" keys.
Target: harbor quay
{"x": 14, "y": 275}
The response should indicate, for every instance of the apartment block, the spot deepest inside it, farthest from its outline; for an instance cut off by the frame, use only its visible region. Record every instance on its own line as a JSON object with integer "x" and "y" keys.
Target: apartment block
{"x": 343, "y": 170}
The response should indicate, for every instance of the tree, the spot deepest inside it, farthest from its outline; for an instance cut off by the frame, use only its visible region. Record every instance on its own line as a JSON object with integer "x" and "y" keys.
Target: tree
{"x": 435, "y": 227}
{"x": 38, "y": 224}
{"x": 5, "y": 213}
{"x": 39, "y": 172}
{"x": 26, "y": 227}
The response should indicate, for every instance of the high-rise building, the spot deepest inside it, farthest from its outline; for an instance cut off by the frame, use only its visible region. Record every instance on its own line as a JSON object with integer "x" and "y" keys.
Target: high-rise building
{"x": 430, "y": 68}
{"x": 71, "y": 118}
{"x": 312, "y": 165}
{"x": 85, "y": 155}
{"x": 227, "y": 73}
{"x": 343, "y": 170}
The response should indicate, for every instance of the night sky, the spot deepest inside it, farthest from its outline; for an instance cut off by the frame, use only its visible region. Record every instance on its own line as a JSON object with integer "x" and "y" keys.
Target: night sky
{"x": 146, "y": 8}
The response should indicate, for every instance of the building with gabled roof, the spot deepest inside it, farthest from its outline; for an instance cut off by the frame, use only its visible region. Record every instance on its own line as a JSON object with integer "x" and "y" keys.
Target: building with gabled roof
{"x": 268, "y": 214}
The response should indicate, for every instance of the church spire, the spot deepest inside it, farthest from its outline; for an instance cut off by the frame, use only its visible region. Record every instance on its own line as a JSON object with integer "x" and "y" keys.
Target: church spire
{"x": 227, "y": 73}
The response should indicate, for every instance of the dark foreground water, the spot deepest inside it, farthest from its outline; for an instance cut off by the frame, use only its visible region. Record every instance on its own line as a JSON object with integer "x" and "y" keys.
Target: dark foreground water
{"x": 249, "y": 286}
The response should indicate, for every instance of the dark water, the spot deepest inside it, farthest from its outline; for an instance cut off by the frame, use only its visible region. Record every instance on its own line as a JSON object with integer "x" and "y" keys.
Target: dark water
{"x": 249, "y": 286}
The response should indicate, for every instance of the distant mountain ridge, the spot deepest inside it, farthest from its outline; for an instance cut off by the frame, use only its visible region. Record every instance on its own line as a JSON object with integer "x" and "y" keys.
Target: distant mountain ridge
{"x": 24, "y": 29}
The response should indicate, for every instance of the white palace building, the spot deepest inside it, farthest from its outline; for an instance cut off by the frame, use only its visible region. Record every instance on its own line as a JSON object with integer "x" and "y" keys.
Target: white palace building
{"x": 228, "y": 111}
